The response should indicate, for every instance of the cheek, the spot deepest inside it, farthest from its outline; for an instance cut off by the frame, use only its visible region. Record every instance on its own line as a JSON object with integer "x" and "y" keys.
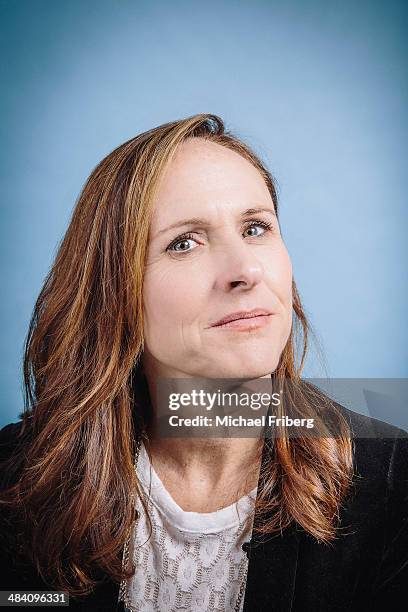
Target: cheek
{"x": 281, "y": 279}
{"x": 287, "y": 278}
{"x": 170, "y": 298}
{"x": 279, "y": 272}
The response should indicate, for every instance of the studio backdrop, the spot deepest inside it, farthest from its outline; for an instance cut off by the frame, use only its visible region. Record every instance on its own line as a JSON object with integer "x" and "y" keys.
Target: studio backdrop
{"x": 318, "y": 89}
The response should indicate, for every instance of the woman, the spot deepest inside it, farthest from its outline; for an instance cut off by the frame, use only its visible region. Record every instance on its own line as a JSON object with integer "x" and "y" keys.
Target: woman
{"x": 175, "y": 230}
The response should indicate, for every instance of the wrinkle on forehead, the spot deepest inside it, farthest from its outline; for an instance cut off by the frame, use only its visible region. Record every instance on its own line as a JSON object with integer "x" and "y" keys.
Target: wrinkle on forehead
{"x": 206, "y": 176}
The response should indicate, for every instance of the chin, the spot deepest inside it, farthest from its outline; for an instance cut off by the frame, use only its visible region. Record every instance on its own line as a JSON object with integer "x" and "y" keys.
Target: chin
{"x": 247, "y": 368}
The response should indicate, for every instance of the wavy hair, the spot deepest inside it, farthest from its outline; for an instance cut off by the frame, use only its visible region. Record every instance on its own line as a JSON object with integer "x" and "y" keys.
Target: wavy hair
{"x": 74, "y": 483}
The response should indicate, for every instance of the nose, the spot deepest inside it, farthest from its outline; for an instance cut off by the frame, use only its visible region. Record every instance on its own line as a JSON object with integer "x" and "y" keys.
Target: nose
{"x": 240, "y": 268}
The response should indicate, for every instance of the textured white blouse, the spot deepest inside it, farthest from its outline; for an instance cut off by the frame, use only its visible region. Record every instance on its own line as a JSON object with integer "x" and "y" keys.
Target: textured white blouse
{"x": 192, "y": 561}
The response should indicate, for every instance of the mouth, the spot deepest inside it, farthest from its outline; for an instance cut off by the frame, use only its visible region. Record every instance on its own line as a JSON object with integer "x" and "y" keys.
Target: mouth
{"x": 239, "y": 315}
{"x": 245, "y": 323}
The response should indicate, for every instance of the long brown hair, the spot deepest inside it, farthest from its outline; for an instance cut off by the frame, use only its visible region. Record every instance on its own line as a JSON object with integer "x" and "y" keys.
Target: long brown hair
{"x": 75, "y": 482}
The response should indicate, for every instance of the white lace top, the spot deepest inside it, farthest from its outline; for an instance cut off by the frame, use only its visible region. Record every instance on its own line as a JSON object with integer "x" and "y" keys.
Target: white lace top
{"x": 192, "y": 561}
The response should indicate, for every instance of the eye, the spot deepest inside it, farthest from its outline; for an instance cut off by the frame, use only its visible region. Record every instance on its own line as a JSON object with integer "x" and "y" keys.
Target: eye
{"x": 185, "y": 238}
{"x": 264, "y": 224}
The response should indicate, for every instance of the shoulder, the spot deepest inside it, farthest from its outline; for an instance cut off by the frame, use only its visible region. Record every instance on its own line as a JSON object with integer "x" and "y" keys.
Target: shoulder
{"x": 376, "y": 442}
{"x": 8, "y": 435}
{"x": 363, "y": 426}
{"x": 378, "y": 447}
{"x": 13, "y": 437}
{"x": 370, "y": 433}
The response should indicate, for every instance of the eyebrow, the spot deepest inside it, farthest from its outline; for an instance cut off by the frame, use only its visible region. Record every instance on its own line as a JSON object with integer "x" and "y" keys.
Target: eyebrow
{"x": 204, "y": 223}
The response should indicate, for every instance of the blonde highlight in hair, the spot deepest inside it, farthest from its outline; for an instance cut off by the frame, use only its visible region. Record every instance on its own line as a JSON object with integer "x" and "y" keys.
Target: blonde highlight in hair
{"x": 74, "y": 480}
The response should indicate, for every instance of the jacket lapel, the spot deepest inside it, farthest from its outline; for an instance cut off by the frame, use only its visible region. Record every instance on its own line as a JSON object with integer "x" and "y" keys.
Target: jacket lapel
{"x": 272, "y": 572}
{"x": 272, "y": 560}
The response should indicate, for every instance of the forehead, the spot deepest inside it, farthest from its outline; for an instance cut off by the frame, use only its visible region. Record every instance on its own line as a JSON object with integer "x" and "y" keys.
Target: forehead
{"x": 203, "y": 171}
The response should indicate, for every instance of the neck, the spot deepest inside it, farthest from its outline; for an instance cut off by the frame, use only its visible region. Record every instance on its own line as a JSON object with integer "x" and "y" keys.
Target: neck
{"x": 211, "y": 460}
{"x": 214, "y": 471}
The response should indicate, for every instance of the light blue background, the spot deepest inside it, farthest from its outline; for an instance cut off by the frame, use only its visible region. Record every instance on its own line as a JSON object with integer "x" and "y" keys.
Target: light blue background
{"x": 319, "y": 89}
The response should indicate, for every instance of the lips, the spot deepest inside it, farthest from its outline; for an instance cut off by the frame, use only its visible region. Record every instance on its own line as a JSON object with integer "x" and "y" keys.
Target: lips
{"x": 242, "y": 314}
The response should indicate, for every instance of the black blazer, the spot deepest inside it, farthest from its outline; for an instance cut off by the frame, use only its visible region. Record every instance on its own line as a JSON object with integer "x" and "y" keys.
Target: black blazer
{"x": 365, "y": 568}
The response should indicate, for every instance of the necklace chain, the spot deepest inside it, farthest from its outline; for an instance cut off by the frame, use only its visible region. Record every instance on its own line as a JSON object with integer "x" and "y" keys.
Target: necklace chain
{"x": 241, "y": 591}
{"x": 123, "y": 592}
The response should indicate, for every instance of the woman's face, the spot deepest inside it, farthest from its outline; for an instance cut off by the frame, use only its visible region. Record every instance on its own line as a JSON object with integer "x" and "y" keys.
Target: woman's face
{"x": 230, "y": 262}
